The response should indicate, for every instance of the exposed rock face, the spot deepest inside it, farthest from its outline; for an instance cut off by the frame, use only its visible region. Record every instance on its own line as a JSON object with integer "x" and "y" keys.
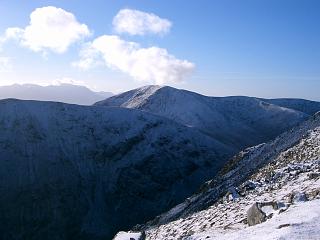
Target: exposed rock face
{"x": 76, "y": 172}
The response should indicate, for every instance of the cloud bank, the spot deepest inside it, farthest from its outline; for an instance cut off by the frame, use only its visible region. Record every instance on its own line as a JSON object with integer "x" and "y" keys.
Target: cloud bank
{"x": 153, "y": 64}
{"x": 50, "y": 28}
{"x": 136, "y": 22}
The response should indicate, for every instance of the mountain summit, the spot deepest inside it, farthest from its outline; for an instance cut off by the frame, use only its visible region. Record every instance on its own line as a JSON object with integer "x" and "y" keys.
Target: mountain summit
{"x": 236, "y": 121}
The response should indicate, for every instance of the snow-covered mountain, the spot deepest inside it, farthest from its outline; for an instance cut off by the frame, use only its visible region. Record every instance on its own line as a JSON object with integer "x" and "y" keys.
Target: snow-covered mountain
{"x": 238, "y": 122}
{"x": 84, "y": 172}
{"x": 283, "y": 175}
{"x": 302, "y": 105}
{"x": 66, "y": 93}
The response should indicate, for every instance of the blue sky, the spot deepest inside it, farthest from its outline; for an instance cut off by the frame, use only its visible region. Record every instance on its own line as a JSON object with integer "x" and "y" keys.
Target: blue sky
{"x": 230, "y": 47}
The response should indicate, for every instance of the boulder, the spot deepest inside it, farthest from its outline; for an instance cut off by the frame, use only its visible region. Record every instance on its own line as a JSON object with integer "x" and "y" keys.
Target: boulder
{"x": 255, "y": 215}
{"x": 259, "y": 212}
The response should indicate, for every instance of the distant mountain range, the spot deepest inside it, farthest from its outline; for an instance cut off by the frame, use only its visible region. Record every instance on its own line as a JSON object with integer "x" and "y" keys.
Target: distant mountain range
{"x": 237, "y": 122}
{"x": 66, "y": 93}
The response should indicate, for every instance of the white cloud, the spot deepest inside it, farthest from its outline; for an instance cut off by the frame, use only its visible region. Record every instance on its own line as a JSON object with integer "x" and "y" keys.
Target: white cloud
{"x": 89, "y": 58}
{"x": 151, "y": 64}
{"x": 5, "y": 64}
{"x": 2, "y": 40}
{"x": 50, "y": 28}
{"x": 137, "y": 22}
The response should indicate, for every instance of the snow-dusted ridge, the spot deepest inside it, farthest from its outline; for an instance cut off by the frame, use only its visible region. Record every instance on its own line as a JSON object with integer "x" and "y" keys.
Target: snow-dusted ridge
{"x": 302, "y": 105}
{"x": 238, "y": 122}
{"x": 275, "y": 171}
{"x": 84, "y": 172}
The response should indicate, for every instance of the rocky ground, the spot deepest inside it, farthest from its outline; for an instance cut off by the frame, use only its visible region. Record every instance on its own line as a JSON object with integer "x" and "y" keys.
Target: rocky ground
{"x": 283, "y": 189}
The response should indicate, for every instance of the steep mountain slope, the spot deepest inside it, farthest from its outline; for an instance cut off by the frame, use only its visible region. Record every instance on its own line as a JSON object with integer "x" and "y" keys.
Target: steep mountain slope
{"x": 282, "y": 171}
{"x": 302, "y": 105}
{"x": 66, "y": 93}
{"x": 238, "y": 122}
{"x": 77, "y": 172}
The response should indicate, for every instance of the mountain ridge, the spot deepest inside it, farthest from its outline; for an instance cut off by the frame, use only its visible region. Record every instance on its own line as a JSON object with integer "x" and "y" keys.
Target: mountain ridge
{"x": 75, "y": 171}
{"x": 67, "y": 93}
{"x": 236, "y": 121}
{"x": 276, "y": 171}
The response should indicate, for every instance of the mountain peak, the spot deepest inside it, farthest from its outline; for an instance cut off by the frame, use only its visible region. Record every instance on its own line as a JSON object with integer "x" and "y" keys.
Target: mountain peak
{"x": 133, "y": 98}
{"x": 226, "y": 119}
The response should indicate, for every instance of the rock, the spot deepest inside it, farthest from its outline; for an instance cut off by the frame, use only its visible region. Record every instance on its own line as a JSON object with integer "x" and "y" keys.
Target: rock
{"x": 260, "y": 212}
{"x": 283, "y": 225}
{"x": 143, "y": 235}
{"x": 298, "y": 197}
{"x": 255, "y": 215}
{"x": 282, "y": 207}
{"x": 313, "y": 194}
{"x": 274, "y": 205}
{"x": 282, "y": 210}
{"x": 313, "y": 175}
{"x": 232, "y": 194}
{"x": 206, "y": 186}
{"x": 249, "y": 185}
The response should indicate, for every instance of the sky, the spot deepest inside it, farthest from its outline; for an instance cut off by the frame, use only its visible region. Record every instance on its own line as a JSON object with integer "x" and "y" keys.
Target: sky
{"x": 264, "y": 48}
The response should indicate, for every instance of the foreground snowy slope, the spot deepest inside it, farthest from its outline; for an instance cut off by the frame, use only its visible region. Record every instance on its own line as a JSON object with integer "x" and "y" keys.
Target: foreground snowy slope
{"x": 299, "y": 222}
{"x": 238, "y": 122}
{"x": 76, "y": 172}
{"x": 283, "y": 172}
